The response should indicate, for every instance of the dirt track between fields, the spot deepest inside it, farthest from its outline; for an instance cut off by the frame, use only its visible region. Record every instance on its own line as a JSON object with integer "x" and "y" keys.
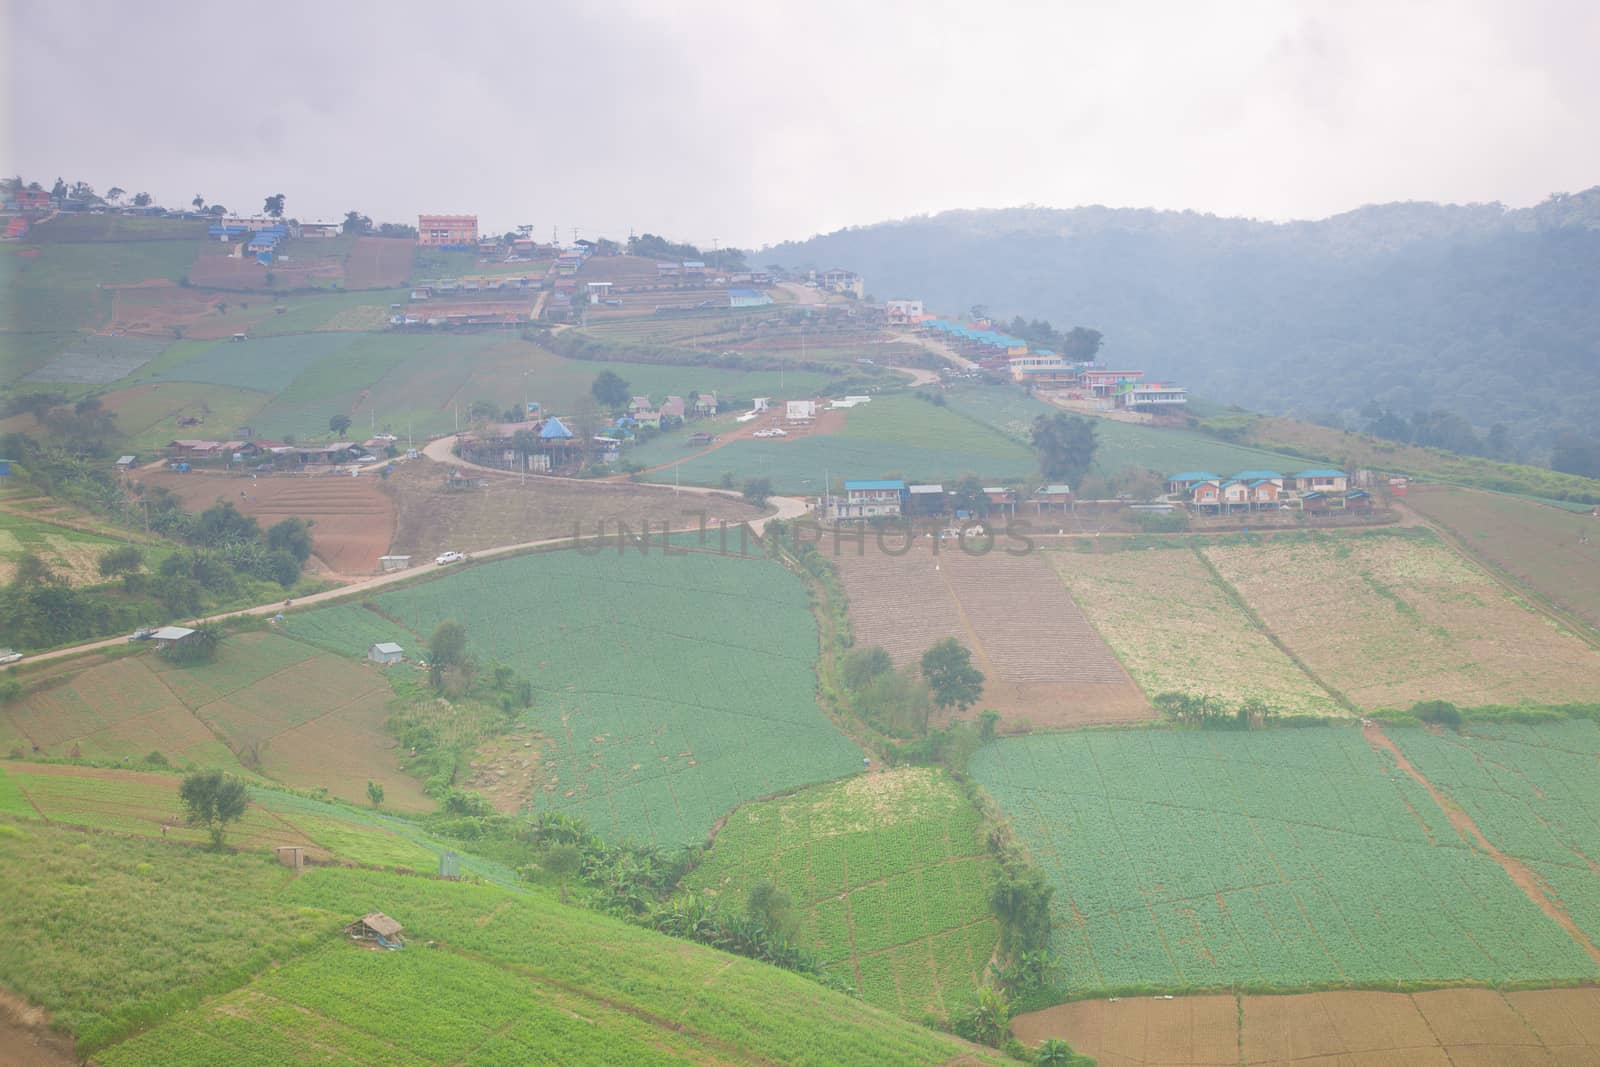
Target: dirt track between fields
{"x": 1525, "y": 879}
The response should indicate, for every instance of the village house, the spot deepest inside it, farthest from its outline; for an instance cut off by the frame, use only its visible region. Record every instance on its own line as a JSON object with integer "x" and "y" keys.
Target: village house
{"x": 705, "y": 404}
{"x": 1052, "y": 498}
{"x": 1325, "y": 480}
{"x": 171, "y": 636}
{"x": 884, "y": 498}
{"x": 903, "y": 312}
{"x": 925, "y": 500}
{"x": 447, "y": 231}
{"x": 748, "y": 298}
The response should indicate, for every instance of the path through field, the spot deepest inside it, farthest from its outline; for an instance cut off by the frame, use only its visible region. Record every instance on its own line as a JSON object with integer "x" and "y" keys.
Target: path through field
{"x": 1525, "y": 879}
{"x": 1442, "y": 1028}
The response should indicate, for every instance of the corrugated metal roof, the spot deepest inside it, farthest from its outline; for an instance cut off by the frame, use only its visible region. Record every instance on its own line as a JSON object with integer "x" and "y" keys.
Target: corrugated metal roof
{"x": 869, "y": 485}
{"x": 1327, "y": 472}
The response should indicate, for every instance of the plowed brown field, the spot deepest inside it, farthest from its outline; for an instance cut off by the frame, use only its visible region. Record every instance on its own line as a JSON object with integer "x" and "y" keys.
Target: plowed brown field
{"x": 1447, "y": 1028}
{"x": 1043, "y": 663}
{"x": 354, "y": 519}
{"x": 379, "y": 263}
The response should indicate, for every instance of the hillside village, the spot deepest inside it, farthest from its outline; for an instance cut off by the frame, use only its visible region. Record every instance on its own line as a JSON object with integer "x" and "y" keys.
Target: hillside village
{"x": 512, "y": 631}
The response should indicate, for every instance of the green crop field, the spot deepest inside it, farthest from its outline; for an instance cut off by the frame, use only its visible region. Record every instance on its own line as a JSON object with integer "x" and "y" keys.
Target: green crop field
{"x": 669, "y": 689}
{"x": 266, "y": 364}
{"x": 1531, "y": 791}
{"x": 72, "y": 553}
{"x": 231, "y": 958}
{"x": 896, "y": 436}
{"x": 889, "y": 878}
{"x": 1551, "y": 550}
{"x": 1192, "y": 859}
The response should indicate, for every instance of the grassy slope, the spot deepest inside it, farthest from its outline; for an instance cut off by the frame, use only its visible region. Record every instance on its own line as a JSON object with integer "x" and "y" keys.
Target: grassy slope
{"x": 889, "y": 879}
{"x": 513, "y": 970}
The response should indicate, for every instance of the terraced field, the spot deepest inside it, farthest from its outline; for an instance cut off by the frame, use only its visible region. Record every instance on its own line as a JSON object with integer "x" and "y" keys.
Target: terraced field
{"x": 669, "y": 689}
{"x": 1390, "y": 619}
{"x": 1178, "y": 631}
{"x": 888, "y": 876}
{"x": 1193, "y": 859}
{"x": 354, "y": 519}
{"x": 71, "y": 553}
{"x": 1043, "y": 663}
{"x": 1554, "y": 552}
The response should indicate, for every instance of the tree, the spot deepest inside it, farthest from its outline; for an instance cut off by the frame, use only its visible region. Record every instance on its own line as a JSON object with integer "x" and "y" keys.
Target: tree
{"x": 987, "y": 1020}
{"x": 1576, "y": 454}
{"x": 1053, "y": 1052}
{"x": 1022, "y": 904}
{"x": 968, "y": 495}
{"x": 283, "y": 568}
{"x": 773, "y": 909}
{"x": 199, "y": 202}
{"x": 339, "y": 424}
{"x": 861, "y": 665}
{"x": 122, "y": 560}
{"x": 447, "y": 648}
{"x": 609, "y": 391}
{"x": 1080, "y": 345}
{"x": 116, "y": 192}
{"x": 356, "y": 223}
{"x": 58, "y": 190}
{"x": 292, "y": 536}
{"x": 948, "y": 669}
{"x": 375, "y": 793}
{"x": 212, "y": 800}
{"x": 561, "y": 862}
{"x": 1066, "y": 445}
{"x": 141, "y": 199}
{"x": 757, "y": 490}
{"x": 274, "y": 205}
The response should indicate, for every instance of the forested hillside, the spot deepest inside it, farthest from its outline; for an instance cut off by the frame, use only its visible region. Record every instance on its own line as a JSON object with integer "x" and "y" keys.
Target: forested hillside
{"x": 1478, "y": 310}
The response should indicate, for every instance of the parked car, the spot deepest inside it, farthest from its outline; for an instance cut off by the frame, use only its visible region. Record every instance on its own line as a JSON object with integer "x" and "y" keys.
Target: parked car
{"x": 449, "y": 557}
{"x": 143, "y": 633}
{"x": 612, "y": 302}
{"x": 8, "y": 656}
{"x": 366, "y": 459}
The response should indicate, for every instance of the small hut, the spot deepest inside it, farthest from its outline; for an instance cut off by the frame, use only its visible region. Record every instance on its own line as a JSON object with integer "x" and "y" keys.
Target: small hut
{"x": 376, "y": 928}
{"x": 385, "y": 653}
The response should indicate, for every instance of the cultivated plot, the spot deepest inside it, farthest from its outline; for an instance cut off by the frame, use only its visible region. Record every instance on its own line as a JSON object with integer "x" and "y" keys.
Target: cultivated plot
{"x": 670, "y": 689}
{"x": 1043, "y": 663}
{"x": 1391, "y": 619}
{"x": 71, "y": 553}
{"x": 1554, "y": 552}
{"x": 1177, "y": 631}
{"x": 1194, "y": 859}
{"x": 305, "y": 718}
{"x": 889, "y": 878}
{"x": 1533, "y": 792}
{"x": 94, "y": 360}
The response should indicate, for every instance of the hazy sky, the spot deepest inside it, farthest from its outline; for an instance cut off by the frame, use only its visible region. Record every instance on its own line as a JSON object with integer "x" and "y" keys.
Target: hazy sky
{"x": 757, "y": 122}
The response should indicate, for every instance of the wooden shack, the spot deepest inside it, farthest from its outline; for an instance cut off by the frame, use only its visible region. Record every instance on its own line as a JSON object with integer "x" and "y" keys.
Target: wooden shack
{"x": 376, "y": 928}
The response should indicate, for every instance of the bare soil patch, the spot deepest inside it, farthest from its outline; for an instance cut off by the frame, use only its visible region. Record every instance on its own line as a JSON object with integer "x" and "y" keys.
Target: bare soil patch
{"x": 154, "y": 309}
{"x": 431, "y": 519}
{"x": 306, "y": 264}
{"x": 1044, "y": 664}
{"x": 26, "y": 1039}
{"x": 507, "y": 770}
{"x": 354, "y": 519}
{"x": 379, "y": 263}
{"x": 1443, "y": 1028}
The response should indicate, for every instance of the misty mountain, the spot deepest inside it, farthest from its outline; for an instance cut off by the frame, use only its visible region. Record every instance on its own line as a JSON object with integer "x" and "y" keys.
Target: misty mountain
{"x": 1489, "y": 312}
